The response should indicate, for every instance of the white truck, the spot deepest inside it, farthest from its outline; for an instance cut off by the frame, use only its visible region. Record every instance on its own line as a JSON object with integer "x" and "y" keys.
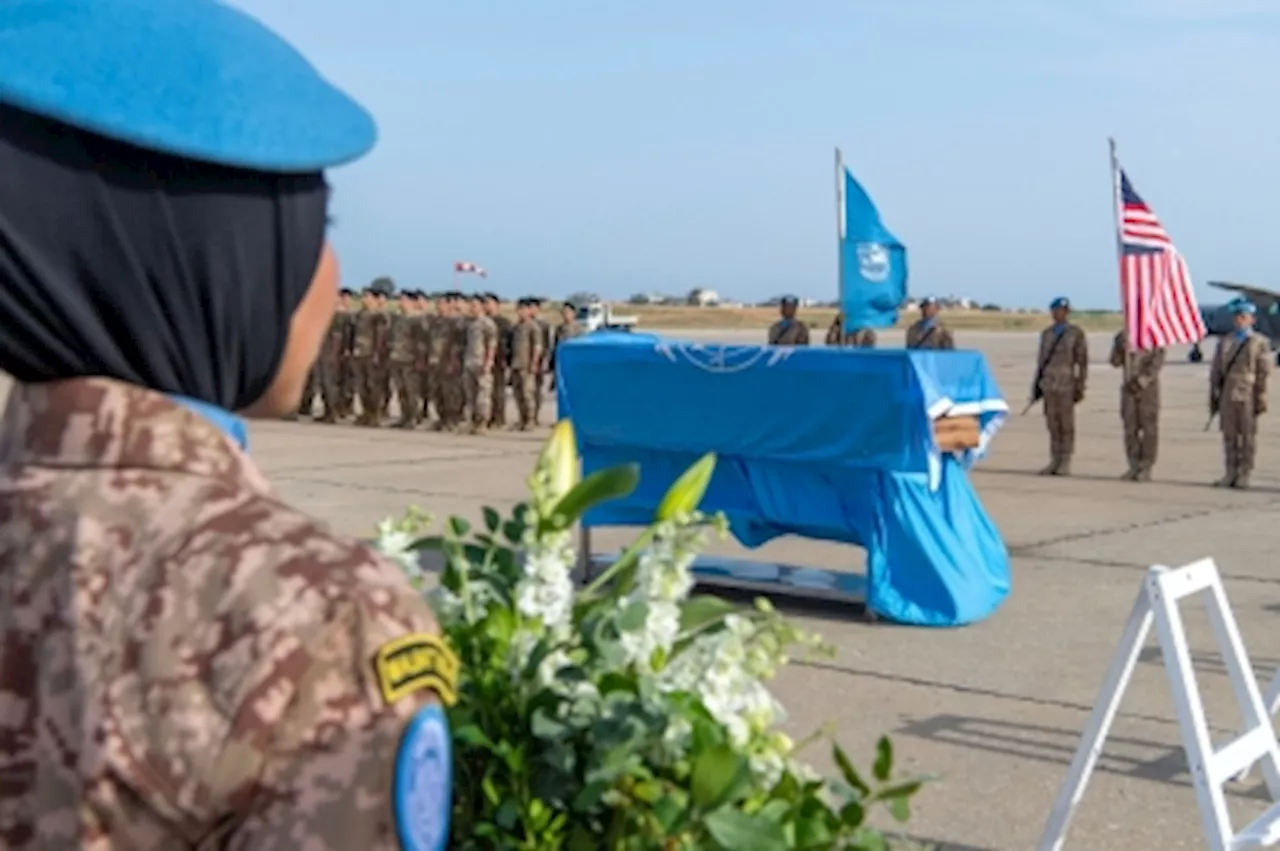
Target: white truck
{"x": 596, "y": 316}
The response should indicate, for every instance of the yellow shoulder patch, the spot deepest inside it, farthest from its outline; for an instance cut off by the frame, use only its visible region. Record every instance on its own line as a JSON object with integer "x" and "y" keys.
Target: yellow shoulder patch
{"x": 417, "y": 661}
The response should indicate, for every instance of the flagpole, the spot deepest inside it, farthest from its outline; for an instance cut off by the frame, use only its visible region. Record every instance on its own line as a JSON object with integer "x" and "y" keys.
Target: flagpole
{"x": 1116, "y": 218}
{"x": 840, "y": 242}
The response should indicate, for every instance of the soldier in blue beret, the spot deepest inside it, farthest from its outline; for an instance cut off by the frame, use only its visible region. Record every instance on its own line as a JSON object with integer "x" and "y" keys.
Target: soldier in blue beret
{"x": 788, "y": 331}
{"x": 1238, "y": 393}
{"x": 188, "y": 662}
{"x": 1061, "y": 373}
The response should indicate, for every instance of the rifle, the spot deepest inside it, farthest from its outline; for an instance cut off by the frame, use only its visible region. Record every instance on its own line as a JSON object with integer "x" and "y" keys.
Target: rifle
{"x": 1036, "y": 393}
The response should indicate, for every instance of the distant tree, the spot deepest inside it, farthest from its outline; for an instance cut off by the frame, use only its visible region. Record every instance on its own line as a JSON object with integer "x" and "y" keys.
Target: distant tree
{"x": 383, "y": 284}
{"x": 991, "y": 308}
{"x": 582, "y": 298}
{"x": 640, "y": 298}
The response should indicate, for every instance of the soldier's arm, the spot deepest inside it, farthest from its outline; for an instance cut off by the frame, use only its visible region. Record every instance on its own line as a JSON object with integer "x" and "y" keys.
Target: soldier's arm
{"x": 1082, "y": 361}
{"x": 328, "y": 772}
{"x": 1215, "y": 370}
{"x": 802, "y": 339}
{"x": 1117, "y": 351}
{"x": 772, "y": 339}
{"x": 946, "y": 339}
{"x": 1262, "y": 366}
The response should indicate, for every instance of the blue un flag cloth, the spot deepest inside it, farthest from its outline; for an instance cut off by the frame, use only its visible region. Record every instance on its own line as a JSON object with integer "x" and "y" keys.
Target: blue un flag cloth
{"x": 873, "y": 267}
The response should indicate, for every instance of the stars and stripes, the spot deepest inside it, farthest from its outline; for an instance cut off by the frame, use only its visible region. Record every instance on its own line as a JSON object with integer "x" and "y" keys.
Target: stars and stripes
{"x": 466, "y": 267}
{"x": 1159, "y": 300}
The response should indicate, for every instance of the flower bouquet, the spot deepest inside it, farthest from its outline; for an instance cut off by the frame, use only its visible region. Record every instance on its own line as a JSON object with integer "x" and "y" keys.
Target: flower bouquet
{"x": 626, "y": 714}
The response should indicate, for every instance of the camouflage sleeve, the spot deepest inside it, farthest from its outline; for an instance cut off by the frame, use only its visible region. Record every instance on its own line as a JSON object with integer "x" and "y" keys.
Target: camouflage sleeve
{"x": 1215, "y": 372}
{"x": 833, "y": 333}
{"x": 328, "y": 763}
{"x": 1263, "y": 372}
{"x": 1081, "y": 358}
{"x": 773, "y": 334}
{"x": 946, "y": 340}
{"x": 1117, "y": 350}
{"x": 802, "y": 339}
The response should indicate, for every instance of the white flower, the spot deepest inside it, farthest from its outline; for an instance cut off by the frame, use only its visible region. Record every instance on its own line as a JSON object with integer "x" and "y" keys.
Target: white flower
{"x": 394, "y": 543}
{"x": 659, "y": 631}
{"x": 545, "y": 592}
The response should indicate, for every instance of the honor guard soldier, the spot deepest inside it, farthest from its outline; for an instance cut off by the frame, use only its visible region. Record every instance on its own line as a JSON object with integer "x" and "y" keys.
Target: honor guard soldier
{"x": 502, "y": 362}
{"x": 187, "y": 661}
{"x": 333, "y": 357}
{"x": 1061, "y": 374}
{"x": 404, "y": 354}
{"x": 1238, "y": 393}
{"x": 479, "y": 353}
{"x": 367, "y": 356}
{"x": 928, "y": 332}
{"x": 526, "y": 354}
{"x": 1139, "y": 405}
{"x": 566, "y": 330}
{"x": 861, "y": 338}
{"x": 788, "y": 331}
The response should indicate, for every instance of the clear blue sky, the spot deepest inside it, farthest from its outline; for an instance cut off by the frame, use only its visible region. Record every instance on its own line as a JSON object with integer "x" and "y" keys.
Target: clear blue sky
{"x": 628, "y": 145}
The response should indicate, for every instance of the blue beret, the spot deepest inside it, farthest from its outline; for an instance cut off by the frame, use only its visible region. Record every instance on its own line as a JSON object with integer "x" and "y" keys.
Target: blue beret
{"x": 1060, "y": 301}
{"x": 1241, "y": 305}
{"x": 189, "y": 78}
{"x": 928, "y": 300}
{"x": 789, "y": 299}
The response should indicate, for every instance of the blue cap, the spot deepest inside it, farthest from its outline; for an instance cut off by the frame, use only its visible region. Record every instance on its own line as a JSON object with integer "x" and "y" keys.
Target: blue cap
{"x": 190, "y": 78}
{"x": 928, "y": 300}
{"x": 1241, "y": 305}
{"x": 1060, "y": 301}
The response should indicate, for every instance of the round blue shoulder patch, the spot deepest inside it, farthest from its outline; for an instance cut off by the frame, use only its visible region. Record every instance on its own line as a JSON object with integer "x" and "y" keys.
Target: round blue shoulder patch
{"x": 423, "y": 796}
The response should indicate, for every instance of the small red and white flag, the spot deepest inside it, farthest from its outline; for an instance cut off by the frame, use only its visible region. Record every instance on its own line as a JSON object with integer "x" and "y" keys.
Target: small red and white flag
{"x": 466, "y": 267}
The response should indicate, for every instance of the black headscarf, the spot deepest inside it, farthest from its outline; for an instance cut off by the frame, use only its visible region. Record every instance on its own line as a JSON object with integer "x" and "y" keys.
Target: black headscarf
{"x": 162, "y": 272}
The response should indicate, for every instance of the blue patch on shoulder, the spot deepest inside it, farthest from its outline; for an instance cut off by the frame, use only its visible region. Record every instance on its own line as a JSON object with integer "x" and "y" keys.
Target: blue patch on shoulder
{"x": 423, "y": 796}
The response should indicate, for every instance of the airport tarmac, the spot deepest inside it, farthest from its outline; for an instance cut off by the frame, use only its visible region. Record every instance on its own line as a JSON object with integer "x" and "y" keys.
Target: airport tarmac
{"x": 996, "y": 708}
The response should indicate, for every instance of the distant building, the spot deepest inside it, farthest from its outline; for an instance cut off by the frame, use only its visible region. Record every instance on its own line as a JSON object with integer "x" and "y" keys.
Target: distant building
{"x": 704, "y": 298}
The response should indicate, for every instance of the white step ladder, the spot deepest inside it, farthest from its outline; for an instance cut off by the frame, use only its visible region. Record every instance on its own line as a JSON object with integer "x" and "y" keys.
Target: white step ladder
{"x": 1162, "y": 590}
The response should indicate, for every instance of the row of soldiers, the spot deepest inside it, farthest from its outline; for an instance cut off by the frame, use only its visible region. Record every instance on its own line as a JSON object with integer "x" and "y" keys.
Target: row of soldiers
{"x": 925, "y": 333}
{"x": 1237, "y": 383}
{"x": 450, "y": 366}
{"x": 1237, "y": 393}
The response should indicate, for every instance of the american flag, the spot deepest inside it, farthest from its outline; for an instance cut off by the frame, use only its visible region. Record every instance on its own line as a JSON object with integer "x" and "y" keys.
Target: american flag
{"x": 469, "y": 268}
{"x": 1160, "y": 306}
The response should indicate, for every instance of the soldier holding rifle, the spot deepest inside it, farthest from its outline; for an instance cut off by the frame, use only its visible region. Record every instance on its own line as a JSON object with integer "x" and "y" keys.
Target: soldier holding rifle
{"x": 1238, "y": 393}
{"x": 1060, "y": 381}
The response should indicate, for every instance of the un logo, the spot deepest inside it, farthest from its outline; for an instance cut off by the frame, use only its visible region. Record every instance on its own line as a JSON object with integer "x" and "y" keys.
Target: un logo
{"x": 712, "y": 357}
{"x": 873, "y": 262}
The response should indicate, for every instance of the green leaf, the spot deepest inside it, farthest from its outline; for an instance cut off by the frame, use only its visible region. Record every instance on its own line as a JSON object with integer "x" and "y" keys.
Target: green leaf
{"x": 600, "y": 486}
{"x": 513, "y": 531}
{"x": 869, "y": 839}
{"x": 471, "y": 734}
{"x": 900, "y": 809}
{"x": 718, "y": 773}
{"x": 633, "y": 617}
{"x": 459, "y": 527}
{"x": 848, "y": 772}
{"x": 492, "y": 519}
{"x": 699, "y": 611}
{"x": 734, "y": 830}
{"x": 683, "y": 497}
{"x": 648, "y": 791}
{"x": 543, "y": 726}
{"x": 590, "y": 796}
{"x": 813, "y": 833}
{"x": 430, "y": 542}
{"x": 884, "y": 759}
{"x": 853, "y": 814}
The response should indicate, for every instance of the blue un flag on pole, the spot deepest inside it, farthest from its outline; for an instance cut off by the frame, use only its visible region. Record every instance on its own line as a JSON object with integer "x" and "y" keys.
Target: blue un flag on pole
{"x": 873, "y": 263}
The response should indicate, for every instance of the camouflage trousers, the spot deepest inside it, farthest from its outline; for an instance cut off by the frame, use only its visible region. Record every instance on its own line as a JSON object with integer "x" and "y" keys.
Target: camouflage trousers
{"x": 426, "y": 392}
{"x": 329, "y": 374}
{"x": 369, "y": 379}
{"x": 346, "y": 386}
{"x": 524, "y": 387}
{"x": 1060, "y": 418}
{"x": 863, "y": 338}
{"x": 1239, "y": 435}
{"x": 539, "y": 383}
{"x": 407, "y": 383}
{"x": 498, "y": 409}
{"x": 477, "y": 388}
{"x": 1140, "y": 414}
{"x": 446, "y": 393}
{"x": 311, "y": 389}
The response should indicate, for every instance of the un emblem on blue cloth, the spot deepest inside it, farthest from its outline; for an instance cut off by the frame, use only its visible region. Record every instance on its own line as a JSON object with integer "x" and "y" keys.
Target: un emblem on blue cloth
{"x": 712, "y": 357}
{"x": 423, "y": 795}
{"x": 873, "y": 261}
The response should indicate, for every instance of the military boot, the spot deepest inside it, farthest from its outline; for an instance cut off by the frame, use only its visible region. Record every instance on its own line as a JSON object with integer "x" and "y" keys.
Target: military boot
{"x": 1143, "y": 475}
{"x": 1227, "y": 481}
{"x": 1064, "y": 466}
{"x": 1242, "y": 481}
{"x": 1051, "y": 469}
{"x": 1130, "y": 475}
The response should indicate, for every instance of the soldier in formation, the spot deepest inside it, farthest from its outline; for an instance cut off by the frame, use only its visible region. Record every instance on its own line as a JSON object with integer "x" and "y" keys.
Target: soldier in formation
{"x": 1238, "y": 394}
{"x": 1061, "y": 374}
{"x": 498, "y": 410}
{"x": 406, "y": 355}
{"x": 479, "y": 353}
{"x": 566, "y": 330}
{"x": 369, "y": 355}
{"x": 544, "y": 361}
{"x": 928, "y": 332}
{"x": 527, "y": 350}
{"x": 858, "y": 338}
{"x": 1139, "y": 405}
{"x": 788, "y": 331}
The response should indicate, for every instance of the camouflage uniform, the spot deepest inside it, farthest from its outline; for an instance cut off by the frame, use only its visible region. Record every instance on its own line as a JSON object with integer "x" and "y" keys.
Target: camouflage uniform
{"x": 310, "y": 390}
{"x": 526, "y": 354}
{"x": 501, "y": 365}
{"x": 187, "y": 662}
{"x": 1139, "y": 405}
{"x": 437, "y": 344}
{"x": 329, "y": 365}
{"x": 544, "y": 364}
{"x": 929, "y": 334}
{"x": 404, "y": 356}
{"x": 564, "y": 331}
{"x": 835, "y": 332}
{"x": 478, "y": 357}
{"x": 788, "y": 332}
{"x": 1063, "y": 363}
{"x": 861, "y": 338}
{"x": 1238, "y": 377}
{"x": 368, "y": 363}
{"x": 455, "y": 402}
